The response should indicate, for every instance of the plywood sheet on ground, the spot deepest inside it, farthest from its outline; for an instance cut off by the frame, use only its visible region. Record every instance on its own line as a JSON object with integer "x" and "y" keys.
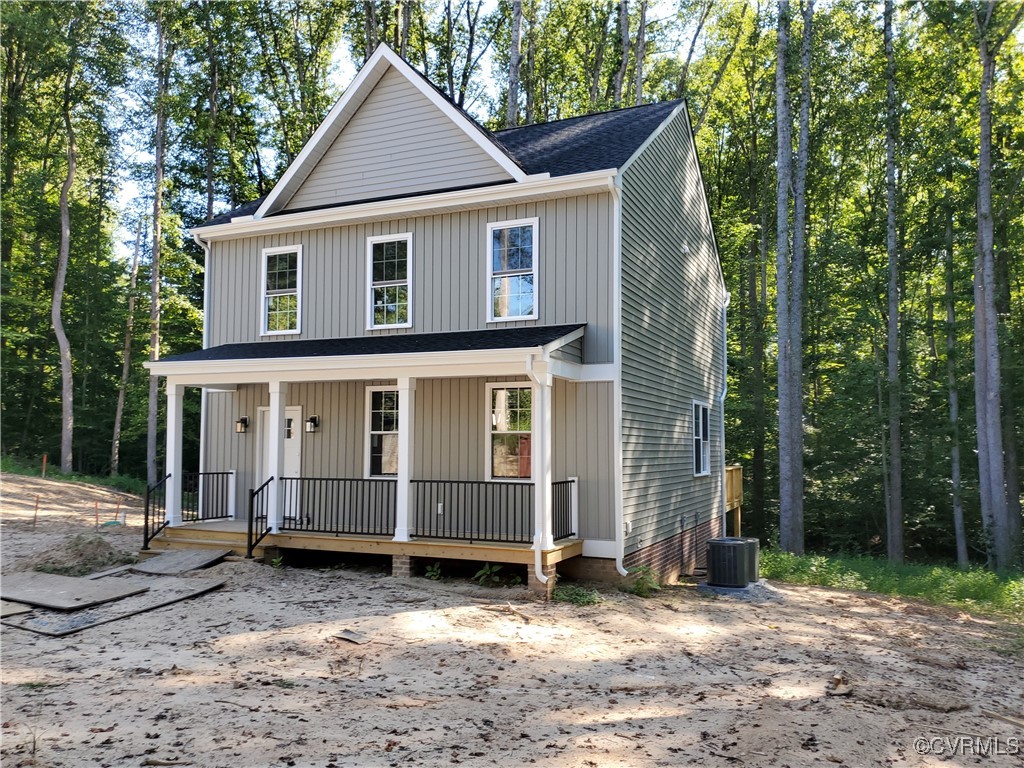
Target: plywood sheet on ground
{"x": 162, "y": 590}
{"x": 12, "y": 609}
{"x": 65, "y": 593}
{"x": 178, "y": 561}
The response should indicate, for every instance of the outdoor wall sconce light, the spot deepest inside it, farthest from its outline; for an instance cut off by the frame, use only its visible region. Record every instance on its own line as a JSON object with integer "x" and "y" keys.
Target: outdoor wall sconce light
{"x": 312, "y": 423}
{"x": 242, "y": 425}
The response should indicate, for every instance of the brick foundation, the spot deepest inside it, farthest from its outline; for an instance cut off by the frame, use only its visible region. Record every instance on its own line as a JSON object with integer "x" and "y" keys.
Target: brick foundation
{"x": 535, "y": 585}
{"x": 591, "y": 569}
{"x": 401, "y": 566}
{"x": 678, "y": 555}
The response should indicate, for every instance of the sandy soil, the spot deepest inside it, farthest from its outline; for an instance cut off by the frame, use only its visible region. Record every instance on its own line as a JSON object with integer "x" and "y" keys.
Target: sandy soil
{"x": 252, "y": 675}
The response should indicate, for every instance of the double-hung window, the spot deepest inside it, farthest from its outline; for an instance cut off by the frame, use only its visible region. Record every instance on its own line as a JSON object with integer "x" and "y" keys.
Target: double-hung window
{"x": 382, "y": 444}
{"x": 389, "y": 267}
{"x": 512, "y": 270}
{"x": 510, "y": 428}
{"x": 281, "y": 280}
{"x": 701, "y": 439}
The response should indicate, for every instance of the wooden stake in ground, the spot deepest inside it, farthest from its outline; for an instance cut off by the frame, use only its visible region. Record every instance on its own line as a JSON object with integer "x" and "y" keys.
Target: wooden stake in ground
{"x": 35, "y": 515}
{"x": 96, "y": 507}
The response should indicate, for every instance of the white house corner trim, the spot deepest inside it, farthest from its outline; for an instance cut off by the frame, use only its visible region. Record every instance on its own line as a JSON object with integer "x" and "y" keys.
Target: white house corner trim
{"x": 617, "y": 494}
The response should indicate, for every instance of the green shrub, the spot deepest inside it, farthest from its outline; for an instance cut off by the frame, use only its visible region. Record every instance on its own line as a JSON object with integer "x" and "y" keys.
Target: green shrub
{"x": 575, "y": 594}
{"x": 644, "y": 582}
{"x": 975, "y": 589}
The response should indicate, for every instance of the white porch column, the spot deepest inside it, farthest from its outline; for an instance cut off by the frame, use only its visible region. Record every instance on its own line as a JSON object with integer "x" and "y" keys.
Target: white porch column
{"x": 173, "y": 466}
{"x": 275, "y": 451}
{"x": 541, "y": 460}
{"x": 403, "y": 491}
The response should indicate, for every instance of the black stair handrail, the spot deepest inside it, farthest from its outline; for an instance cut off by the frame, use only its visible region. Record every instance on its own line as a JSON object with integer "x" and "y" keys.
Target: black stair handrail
{"x": 256, "y": 499}
{"x": 156, "y": 496}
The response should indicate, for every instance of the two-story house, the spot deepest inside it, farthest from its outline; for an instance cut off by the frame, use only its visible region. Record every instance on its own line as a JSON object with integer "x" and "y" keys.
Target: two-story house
{"x": 431, "y": 340}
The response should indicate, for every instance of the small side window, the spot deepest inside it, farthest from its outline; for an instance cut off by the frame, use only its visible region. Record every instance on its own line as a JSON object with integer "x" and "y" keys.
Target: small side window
{"x": 701, "y": 440}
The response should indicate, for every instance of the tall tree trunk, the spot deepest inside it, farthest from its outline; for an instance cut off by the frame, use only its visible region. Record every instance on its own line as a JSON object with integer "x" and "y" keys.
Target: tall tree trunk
{"x": 126, "y": 365}
{"x": 639, "y": 55}
{"x": 720, "y": 72}
{"x": 987, "y": 378}
{"x": 954, "y": 397}
{"x": 790, "y": 526}
{"x": 512, "y": 103}
{"x": 602, "y": 45}
{"x": 67, "y": 412}
{"x": 405, "y": 19}
{"x": 620, "y": 76}
{"x": 371, "y": 28}
{"x": 705, "y": 11}
{"x": 163, "y": 67}
{"x": 796, "y": 289}
{"x": 211, "y": 98}
{"x": 894, "y": 522}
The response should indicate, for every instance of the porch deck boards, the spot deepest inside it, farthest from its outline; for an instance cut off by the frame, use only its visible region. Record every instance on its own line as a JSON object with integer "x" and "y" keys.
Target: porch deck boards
{"x": 231, "y": 534}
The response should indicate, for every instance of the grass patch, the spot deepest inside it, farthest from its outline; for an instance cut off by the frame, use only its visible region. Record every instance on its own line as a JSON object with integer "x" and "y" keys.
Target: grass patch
{"x": 975, "y": 589}
{"x": 575, "y": 594}
{"x": 17, "y": 466}
{"x": 37, "y": 685}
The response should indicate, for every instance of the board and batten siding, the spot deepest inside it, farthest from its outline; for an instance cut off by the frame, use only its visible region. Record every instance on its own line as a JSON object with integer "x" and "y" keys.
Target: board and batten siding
{"x": 449, "y": 441}
{"x": 671, "y": 341}
{"x": 449, "y": 274}
{"x": 397, "y": 143}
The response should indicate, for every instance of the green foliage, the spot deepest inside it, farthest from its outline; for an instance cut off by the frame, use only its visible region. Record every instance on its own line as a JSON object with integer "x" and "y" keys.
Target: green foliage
{"x": 575, "y": 594}
{"x": 974, "y": 589}
{"x": 488, "y": 576}
{"x": 433, "y": 572}
{"x": 277, "y": 563}
{"x": 643, "y": 581}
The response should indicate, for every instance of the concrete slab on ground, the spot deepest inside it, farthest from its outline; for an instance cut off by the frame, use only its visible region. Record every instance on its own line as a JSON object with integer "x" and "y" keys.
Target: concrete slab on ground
{"x": 161, "y": 591}
{"x": 8, "y": 608}
{"x": 177, "y": 561}
{"x": 64, "y": 593}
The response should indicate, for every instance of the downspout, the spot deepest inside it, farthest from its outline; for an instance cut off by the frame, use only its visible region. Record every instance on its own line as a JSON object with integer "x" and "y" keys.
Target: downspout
{"x": 206, "y": 342}
{"x": 726, "y": 299}
{"x": 620, "y": 524}
{"x": 538, "y": 560}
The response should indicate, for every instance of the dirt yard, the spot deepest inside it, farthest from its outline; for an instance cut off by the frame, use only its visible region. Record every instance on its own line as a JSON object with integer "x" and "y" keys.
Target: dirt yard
{"x": 252, "y": 675}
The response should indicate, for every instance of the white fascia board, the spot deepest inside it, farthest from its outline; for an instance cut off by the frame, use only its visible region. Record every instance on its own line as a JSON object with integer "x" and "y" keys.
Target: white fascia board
{"x": 367, "y": 77}
{"x": 561, "y": 341}
{"x": 599, "y": 548}
{"x": 420, "y": 205}
{"x": 416, "y": 364}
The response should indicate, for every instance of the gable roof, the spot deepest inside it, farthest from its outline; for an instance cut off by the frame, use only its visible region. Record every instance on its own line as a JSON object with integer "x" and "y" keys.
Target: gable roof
{"x": 596, "y": 142}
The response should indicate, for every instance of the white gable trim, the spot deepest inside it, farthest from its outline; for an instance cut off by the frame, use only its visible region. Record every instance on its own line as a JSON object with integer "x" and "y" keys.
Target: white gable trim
{"x": 365, "y": 81}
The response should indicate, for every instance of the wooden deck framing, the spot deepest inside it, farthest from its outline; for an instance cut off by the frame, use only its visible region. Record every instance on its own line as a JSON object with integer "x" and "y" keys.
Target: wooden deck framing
{"x": 230, "y": 534}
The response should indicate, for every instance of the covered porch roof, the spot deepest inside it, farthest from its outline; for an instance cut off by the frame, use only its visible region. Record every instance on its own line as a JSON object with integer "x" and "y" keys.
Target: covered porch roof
{"x": 496, "y": 352}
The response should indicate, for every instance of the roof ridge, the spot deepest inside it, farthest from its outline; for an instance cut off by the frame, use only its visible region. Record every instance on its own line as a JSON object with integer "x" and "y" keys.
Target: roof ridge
{"x": 589, "y": 114}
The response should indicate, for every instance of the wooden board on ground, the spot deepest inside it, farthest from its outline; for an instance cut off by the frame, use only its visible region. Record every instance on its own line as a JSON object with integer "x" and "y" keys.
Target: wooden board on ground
{"x": 65, "y": 593}
{"x": 177, "y": 561}
{"x": 8, "y": 608}
{"x": 161, "y": 591}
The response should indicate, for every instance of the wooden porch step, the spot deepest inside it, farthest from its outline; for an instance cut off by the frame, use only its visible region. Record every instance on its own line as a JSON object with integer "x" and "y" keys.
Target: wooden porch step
{"x": 236, "y": 545}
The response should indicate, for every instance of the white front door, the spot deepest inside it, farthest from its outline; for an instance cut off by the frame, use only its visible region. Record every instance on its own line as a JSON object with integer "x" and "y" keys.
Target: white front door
{"x": 292, "y": 454}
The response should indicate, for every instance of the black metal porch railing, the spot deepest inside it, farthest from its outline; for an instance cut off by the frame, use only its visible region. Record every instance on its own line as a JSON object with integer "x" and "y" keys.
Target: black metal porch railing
{"x": 561, "y": 509}
{"x": 339, "y": 506}
{"x": 206, "y": 496}
{"x": 259, "y": 504}
{"x": 472, "y": 510}
{"x": 155, "y": 516}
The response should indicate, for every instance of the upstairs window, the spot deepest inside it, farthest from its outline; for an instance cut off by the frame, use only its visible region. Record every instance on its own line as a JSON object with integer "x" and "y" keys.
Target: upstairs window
{"x": 282, "y": 276}
{"x": 389, "y": 270}
{"x": 382, "y": 450}
{"x": 512, "y": 270}
{"x": 511, "y": 428}
{"x": 701, "y": 440}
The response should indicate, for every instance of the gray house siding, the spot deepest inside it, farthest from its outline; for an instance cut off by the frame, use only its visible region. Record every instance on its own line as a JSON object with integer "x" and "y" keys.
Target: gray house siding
{"x": 398, "y": 142}
{"x": 449, "y": 436}
{"x": 449, "y": 274}
{"x": 671, "y": 341}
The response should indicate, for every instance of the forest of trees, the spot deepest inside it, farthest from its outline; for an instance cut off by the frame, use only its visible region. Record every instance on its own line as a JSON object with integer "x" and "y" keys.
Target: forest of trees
{"x": 864, "y": 161}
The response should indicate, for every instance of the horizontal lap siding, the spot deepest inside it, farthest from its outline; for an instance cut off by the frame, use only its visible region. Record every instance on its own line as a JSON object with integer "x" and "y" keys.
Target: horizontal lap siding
{"x": 449, "y": 268}
{"x": 397, "y": 142}
{"x": 671, "y": 342}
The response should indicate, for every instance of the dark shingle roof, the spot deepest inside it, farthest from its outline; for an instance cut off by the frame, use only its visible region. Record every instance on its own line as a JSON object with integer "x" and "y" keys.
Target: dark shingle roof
{"x": 586, "y": 143}
{"x": 562, "y": 147}
{"x": 396, "y": 344}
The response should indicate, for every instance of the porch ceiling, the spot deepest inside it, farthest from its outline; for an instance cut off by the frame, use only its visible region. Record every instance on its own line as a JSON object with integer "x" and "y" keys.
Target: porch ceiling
{"x": 504, "y": 351}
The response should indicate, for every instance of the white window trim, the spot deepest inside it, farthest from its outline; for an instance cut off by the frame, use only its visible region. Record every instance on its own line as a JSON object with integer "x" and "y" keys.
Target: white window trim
{"x": 491, "y": 386}
{"x": 367, "y": 420}
{"x": 296, "y": 249}
{"x": 407, "y": 236}
{"x": 705, "y": 444}
{"x": 535, "y": 222}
